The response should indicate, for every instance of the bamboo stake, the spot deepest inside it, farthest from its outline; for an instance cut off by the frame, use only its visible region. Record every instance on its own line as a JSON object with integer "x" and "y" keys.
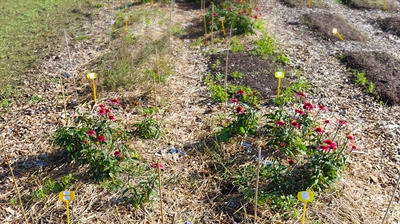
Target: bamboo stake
{"x": 258, "y": 177}
{"x": 391, "y": 199}
{"x": 70, "y": 67}
{"x": 226, "y": 79}
{"x": 63, "y": 96}
{"x": 212, "y": 22}
{"x": 160, "y": 193}
{"x": 13, "y": 177}
{"x": 158, "y": 72}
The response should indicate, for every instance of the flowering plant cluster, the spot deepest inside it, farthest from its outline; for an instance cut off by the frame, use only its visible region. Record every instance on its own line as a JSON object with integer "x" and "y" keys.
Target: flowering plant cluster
{"x": 240, "y": 16}
{"x": 98, "y": 141}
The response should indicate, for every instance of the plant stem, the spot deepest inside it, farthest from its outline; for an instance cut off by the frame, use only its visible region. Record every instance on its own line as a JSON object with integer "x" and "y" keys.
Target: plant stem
{"x": 13, "y": 177}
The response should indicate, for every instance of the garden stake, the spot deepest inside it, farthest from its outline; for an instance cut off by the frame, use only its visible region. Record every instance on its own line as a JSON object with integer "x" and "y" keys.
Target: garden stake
{"x": 70, "y": 68}
{"x": 13, "y": 177}
{"x": 126, "y": 22}
{"x": 159, "y": 74}
{"x": 258, "y": 177}
{"x": 212, "y": 22}
{"x": 93, "y": 76}
{"x": 63, "y": 96}
{"x": 309, "y": 3}
{"x": 279, "y": 76}
{"x": 222, "y": 19}
{"x": 384, "y": 5}
{"x": 305, "y": 196}
{"x": 391, "y": 199}
{"x": 205, "y": 30}
{"x": 226, "y": 80}
{"x": 67, "y": 196}
{"x": 335, "y": 31}
{"x": 159, "y": 189}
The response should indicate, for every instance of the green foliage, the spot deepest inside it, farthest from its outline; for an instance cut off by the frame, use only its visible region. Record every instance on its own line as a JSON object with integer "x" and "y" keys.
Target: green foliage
{"x": 237, "y": 75}
{"x": 53, "y": 186}
{"x": 286, "y": 95}
{"x": 241, "y": 17}
{"x": 265, "y": 46}
{"x": 216, "y": 64}
{"x": 371, "y": 87}
{"x": 360, "y": 78}
{"x": 282, "y": 58}
{"x": 236, "y": 45}
{"x": 98, "y": 142}
{"x": 148, "y": 128}
{"x": 140, "y": 193}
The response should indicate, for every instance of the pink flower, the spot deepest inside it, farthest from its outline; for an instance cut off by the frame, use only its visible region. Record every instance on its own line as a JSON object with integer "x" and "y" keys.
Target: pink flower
{"x": 298, "y": 111}
{"x": 319, "y": 130}
{"x": 209, "y": 22}
{"x": 234, "y": 100}
{"x": 301, "y": 94}
{"x": 102, "y": 112}
{"x": 308, "y": 106}
{"x": 244, "y": 11}
{"x": 112, "y": 118}
{"x": 330, "y": 143}
{"x": 279, "y": 123}
{"x": 327, "y": 122}
{"x": 257, "y": 9}
{"x": 229, "y": 8}
{"x": 240, "y": 92}
{"x": 215, "y": 14}
{"x": 294, "y": 124}
{"x": 321, "y": 107}
{"x": 91, "y": 132}
{"x": 154, "y": 165}
{"x": 350, "y": 137}
{"x": 118, "y": 154}
{"x": 323, "y": 147}
{"x": 239, "y": 13}
{"x": 101, "y": 138}
{"x": 239, "y": 110}
{"x": 114, "y": 101}
{"x": 353, "y": 147}
{"x": 342, "y": 122}
{"x": 102, "y": 106}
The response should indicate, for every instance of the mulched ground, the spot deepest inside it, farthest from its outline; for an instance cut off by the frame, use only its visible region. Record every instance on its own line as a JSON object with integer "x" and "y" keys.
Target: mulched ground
{"x": 322, "y": 25}
{"x": 380, "y": 68}
{"x": 390, "y": 25}
{"x": 370, "y": 4}
{"x": 304, "y": 3}
{"x": 258, "y": 72}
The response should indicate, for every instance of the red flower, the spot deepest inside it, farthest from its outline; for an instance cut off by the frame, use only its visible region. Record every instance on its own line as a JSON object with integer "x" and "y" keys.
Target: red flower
{"x": 215, "y": 14}
{"x": 342, "y": 122}
{"x": 234, "y": 100}
{"x": 118, "y": 154}
{"x": 154, "y": 165}
{"x": 85, "y": 141}
{"x": 298, "y": 111}
{"x": 350, "y": 137}
{"x": 295, "y": 124}
{"x": 91, "y": 132}
{"x": 102, "y": 106}
{"x": 229, "y": 8}
{"x": 321, "y": 107}
{"x": 353, "y": 147}
{"x": 319, "y": 130}
{"x": 240, "y": 92}
{"x": 101, "y": 138}
{"x": 239, "y": 13}
{"x": 323, "y": 147}
{"x": 257, "y": 9}
{"x": 244, "y": 11}
{"x": 327, "y": 122}
{"x": 102, "y": 112}
{"x": 114, "y": 101}
{"x": 280, "y": 123}
{"x": 301, "y": 94}
{"x": 282, "y": 144}
{"x": 308, "y": 106}
{"x": 112, "y": 118}
{"x": 330, "y": 143}
{"x": 291, "y": 162}
{"x": 239, "y": 110}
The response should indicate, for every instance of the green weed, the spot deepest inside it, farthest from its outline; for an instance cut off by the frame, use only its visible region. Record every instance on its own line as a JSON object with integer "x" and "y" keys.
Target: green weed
{"x": 236, "y": 45}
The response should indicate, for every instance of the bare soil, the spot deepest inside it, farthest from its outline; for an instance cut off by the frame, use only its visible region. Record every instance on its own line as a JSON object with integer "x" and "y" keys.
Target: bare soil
{"x": 323, "y": 23}
{"x": 390, "y": 25}
{"x": 380, "y": 68}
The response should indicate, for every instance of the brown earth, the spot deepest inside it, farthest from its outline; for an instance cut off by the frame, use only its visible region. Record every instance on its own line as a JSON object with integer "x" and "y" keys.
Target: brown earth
{"x": 390, "y": 25}
{"x": 380, "y": 68}
{"x": 323, "y": 23}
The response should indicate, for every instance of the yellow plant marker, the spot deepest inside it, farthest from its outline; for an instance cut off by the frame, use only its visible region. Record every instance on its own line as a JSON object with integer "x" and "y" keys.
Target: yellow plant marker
{"x": 384, "y": 5}
{"x": 93, "y": 76}
{"x": 305, "y": 196}
{"x": 222, "y": 19}
{"x": 126, "y": 22}
{"x": 335, "y": 31}
{"x": 279, "y": 76}
{"x": 67, "y": 196}
{"x": 309, "y": 3}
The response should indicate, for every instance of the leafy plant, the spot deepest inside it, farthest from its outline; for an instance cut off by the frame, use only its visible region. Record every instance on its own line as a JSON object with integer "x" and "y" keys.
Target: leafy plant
{"x": 237, "y": 75}
{"x": 371, "y": 88}
{"x": 282, "y": 58}
{"x": 148, "y": 128}
{"x": 360, "y": 78}
{"x": 140, "y": 193}
{"x": 236, "y": 45}
{"x": 53, "y": 186}
{"x": 265, "y": 46}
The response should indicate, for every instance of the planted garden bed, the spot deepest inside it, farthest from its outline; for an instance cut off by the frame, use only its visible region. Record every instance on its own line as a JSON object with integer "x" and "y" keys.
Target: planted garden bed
{"x": 390, "y": 25}
{"x": 370, "y": 4}
{"x": 380, "y": 68}
{"x": 304, "y": 3}
{"x": 323, "y": 23}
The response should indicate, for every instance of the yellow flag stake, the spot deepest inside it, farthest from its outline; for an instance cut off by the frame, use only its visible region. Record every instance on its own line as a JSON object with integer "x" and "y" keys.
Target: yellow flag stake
{"x": 309, "y": 3}
{"x": 279, "y": 76}
{"x": 67, "y": 196}
{"x": 335, "y": 31}
{"x": 222, "y": 19}
{"x": 13, "y": 177}
{"x": 384, "y": 5}
{"x": 93, "y": 76}
{"x": 305, "y": 196}
{"x": 126, "y": 22}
